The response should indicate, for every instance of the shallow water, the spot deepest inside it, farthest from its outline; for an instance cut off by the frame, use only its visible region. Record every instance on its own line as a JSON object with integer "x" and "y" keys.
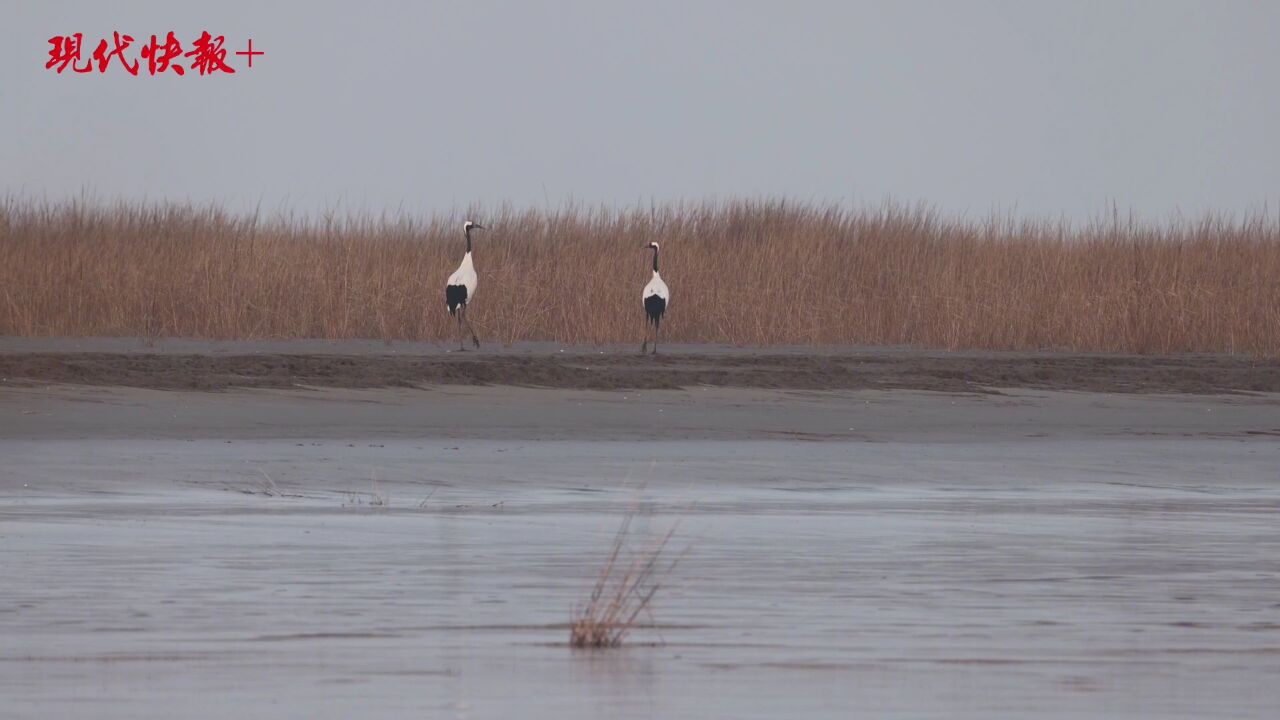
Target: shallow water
{"x": 984, "y": 574}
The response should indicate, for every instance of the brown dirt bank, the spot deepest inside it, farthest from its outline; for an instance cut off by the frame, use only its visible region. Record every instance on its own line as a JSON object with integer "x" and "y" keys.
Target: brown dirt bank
{"x": 618, "y": 370}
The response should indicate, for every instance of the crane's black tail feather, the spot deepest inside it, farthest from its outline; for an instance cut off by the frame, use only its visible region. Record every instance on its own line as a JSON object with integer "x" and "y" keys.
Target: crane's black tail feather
{"x": 655, "y": 307}
{"x": 455, "y": 296}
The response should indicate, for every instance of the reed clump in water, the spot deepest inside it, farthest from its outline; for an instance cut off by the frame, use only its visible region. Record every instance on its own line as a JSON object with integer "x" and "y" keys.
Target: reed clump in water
{"x": 747, "y": 273}
{"x": 622, "y": 592}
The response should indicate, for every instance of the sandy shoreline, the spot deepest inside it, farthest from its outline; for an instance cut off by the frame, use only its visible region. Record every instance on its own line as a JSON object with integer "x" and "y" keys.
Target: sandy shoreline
{"x": 71, "y": 412}
{"x": 201, "y": 365}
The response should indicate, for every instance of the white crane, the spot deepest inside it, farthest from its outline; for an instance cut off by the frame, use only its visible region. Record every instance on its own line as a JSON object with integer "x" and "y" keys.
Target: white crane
{"x": 655, "y": 296}
{"x": 461, "y": 288}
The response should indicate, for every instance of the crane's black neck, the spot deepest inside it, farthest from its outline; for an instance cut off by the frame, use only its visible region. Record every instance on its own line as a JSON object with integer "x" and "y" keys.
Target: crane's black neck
{"x": 655, "y": 259}
{"x": 467, "y": 232}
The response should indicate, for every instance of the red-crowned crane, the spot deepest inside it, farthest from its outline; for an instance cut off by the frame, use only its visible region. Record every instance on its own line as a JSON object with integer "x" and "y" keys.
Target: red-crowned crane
{"x": 461, "y": 289}
{"x": 655, "y": 296}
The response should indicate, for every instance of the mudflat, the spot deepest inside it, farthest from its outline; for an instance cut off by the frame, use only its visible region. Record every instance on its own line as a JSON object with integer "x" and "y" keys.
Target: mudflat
{"x": 386, "y": 551}
{"x": 178, "y": 364}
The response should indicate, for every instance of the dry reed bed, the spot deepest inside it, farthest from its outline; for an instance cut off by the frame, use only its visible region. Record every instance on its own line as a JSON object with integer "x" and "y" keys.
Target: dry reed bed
{"x": 749, "y": 272}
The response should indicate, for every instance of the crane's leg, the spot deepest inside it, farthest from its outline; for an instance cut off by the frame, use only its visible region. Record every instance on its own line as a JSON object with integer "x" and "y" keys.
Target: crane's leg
{"x": 657, "y": 330}
{"x": 474, "y": 340}
{"x": 645, "y": 345}
{"x": 460, "y": 312}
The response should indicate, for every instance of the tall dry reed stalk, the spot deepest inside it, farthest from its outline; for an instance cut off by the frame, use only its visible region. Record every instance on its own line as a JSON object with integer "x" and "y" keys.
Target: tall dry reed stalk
{"x": 623, "y": 590}
{"x": 747, "y": 272}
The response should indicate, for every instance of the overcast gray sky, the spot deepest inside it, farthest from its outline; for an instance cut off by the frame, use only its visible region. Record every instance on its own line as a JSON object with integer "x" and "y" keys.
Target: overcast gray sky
{"x": 1039, "y": 108}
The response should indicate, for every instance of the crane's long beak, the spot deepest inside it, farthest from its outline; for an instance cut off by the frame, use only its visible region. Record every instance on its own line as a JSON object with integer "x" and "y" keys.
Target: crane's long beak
{"x": 476, "y": 227}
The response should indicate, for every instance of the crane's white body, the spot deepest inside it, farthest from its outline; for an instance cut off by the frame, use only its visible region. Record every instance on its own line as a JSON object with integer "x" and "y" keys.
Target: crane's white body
{"x": 465, "y": 276}
{"x": 656, "y": 287}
